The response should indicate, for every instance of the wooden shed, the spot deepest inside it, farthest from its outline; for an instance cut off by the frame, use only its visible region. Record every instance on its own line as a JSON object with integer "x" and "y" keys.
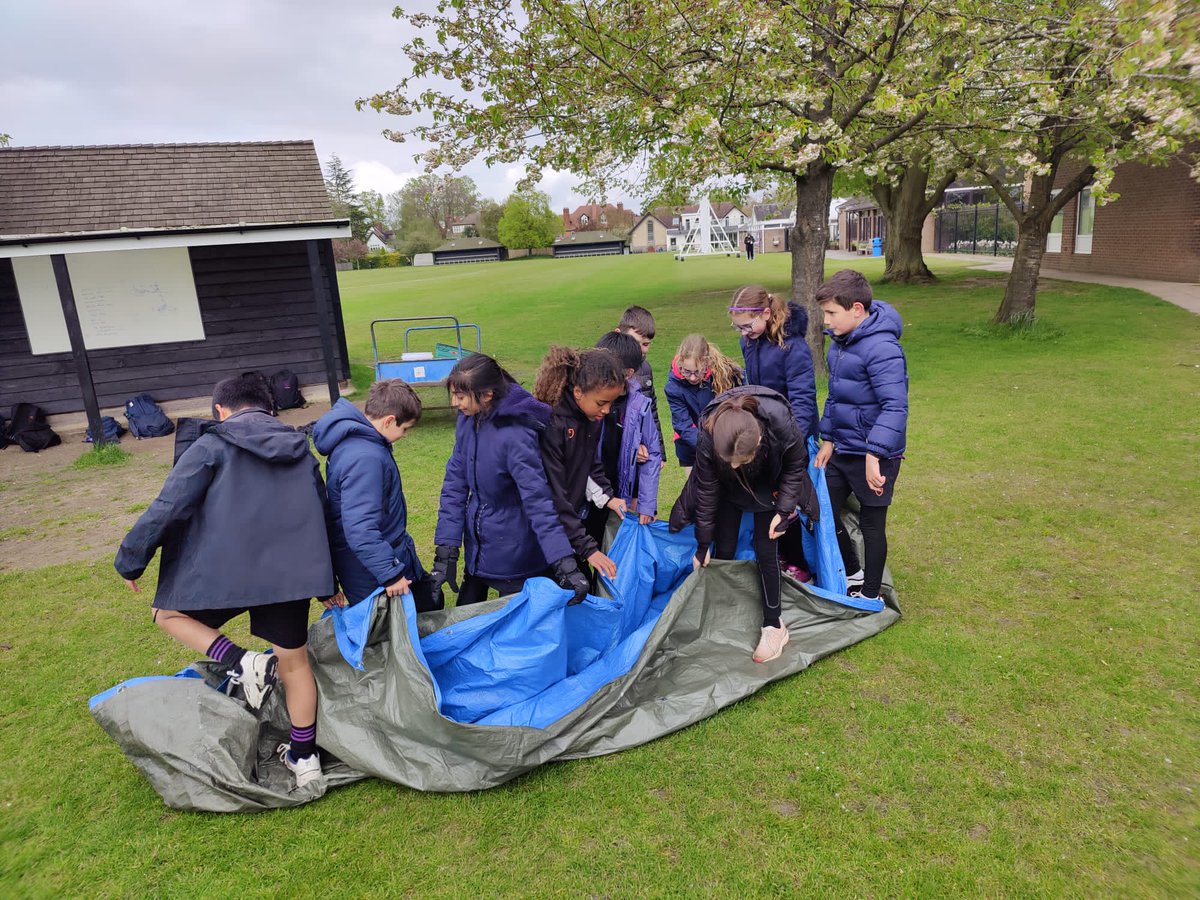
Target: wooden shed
{"x": 590, "y": 243}
{"x": 162, "y": 269}
{"x": 469, "y": 250}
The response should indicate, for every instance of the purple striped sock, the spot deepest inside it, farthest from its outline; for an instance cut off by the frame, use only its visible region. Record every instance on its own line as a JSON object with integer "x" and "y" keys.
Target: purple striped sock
{"x": 225, "y": 651}
{"x": 304, "y": 741}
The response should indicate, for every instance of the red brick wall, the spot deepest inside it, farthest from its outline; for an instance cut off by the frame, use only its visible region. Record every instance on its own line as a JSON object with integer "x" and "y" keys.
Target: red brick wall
{"x": 1152, "y": 232}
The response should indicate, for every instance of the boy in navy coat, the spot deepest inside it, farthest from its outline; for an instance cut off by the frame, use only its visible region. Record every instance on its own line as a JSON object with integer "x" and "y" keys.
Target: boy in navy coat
{"x": 241, "y": 525}
{"x": 866, "y": 417}
{"x": 372, "y": 548}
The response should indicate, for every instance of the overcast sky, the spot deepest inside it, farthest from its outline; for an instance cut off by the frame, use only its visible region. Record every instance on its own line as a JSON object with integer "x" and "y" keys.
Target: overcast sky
{"x": 162, "y": 71}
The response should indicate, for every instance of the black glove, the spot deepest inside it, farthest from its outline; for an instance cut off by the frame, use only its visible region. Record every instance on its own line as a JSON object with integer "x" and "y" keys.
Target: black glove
{"x": 445, "y": 570}
{"x": 567, "y": 576}
{"x": 701, "y": 554}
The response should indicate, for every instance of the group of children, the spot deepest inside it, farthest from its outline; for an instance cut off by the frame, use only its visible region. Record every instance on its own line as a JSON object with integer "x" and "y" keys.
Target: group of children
{"x": 530, "y": 485}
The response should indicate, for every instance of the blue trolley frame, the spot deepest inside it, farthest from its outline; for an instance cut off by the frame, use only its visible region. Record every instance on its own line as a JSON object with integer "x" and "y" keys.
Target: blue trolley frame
{"x": 425, "y": 371}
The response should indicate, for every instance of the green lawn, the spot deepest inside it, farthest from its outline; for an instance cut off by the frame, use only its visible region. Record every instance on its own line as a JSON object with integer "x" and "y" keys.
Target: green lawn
{"x": 1029, "y": 728}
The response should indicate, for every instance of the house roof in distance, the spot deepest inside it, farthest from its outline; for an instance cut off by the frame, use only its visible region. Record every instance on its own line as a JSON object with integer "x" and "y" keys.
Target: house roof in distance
{"x": 147, "y": 187}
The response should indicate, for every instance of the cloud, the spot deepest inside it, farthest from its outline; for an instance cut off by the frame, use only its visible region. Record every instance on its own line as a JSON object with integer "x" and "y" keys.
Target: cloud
{"x": 373, "y": 175}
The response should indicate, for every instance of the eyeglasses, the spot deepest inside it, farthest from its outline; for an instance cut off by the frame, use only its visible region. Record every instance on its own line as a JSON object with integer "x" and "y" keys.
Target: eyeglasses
{"x": 748, "y": 327}
{"x": 691, "y": 373}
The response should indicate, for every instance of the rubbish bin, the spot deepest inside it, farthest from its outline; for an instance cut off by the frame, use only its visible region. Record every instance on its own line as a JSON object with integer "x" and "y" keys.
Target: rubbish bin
{"x": 877, "y": 246}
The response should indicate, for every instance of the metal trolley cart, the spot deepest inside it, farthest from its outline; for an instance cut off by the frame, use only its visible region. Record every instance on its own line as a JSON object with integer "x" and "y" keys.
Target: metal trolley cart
{"x": 424, "y": 367}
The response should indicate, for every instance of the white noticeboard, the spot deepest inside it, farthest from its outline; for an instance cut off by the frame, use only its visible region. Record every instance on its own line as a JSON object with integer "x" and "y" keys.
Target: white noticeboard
{"x": 124, "y": 298}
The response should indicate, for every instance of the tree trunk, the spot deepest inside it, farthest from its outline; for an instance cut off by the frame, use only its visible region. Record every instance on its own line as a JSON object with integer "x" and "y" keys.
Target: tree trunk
{"x": 905, "y": 206}
{"x": 1020, "y": 294}
{"x": 810, "y": 237}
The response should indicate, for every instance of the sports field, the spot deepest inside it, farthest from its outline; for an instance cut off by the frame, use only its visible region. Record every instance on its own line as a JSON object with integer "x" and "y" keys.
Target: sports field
{"x": 1028, "y": 728}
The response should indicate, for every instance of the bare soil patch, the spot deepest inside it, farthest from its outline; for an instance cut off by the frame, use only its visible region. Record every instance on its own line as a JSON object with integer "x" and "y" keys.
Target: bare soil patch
{"x": 52, "y": 513}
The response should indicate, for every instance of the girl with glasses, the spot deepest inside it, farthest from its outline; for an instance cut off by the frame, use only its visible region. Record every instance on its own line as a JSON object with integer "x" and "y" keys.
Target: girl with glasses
{"x": 699, "y": 372}
{"x": 772, "y": 330}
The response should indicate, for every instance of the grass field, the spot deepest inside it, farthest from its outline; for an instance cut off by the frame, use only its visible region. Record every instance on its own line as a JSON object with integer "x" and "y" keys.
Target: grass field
{"x": 1029, "y": 728}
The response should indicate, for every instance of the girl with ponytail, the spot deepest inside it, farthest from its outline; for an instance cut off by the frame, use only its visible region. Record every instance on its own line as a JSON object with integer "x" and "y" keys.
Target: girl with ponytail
{"x": 772, "y": 330}
{"x": 580, "y": 387}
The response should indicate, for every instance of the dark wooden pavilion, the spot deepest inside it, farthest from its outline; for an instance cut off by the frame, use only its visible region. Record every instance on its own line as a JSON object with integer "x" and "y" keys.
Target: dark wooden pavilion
{"x": 162, "y": 269}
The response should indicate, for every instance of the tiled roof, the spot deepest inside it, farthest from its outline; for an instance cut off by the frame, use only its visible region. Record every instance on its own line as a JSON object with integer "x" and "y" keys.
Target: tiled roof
{"x": 72, "y": 190}
{"x": 589, "y": 237}
{"x": 764, "y": 211}
{"x": 857, "y": 204}
{"x": 612, "y": 214}
{"x": 466, "y": 243}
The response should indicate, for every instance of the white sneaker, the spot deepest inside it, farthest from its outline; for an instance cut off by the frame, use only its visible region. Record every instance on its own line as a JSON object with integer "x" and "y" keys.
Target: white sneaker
{"x": 256, "y": 674}
{"x": 307, "y": 769}
{"x": 771, "y": 644}
{"x": 856, "y": 580}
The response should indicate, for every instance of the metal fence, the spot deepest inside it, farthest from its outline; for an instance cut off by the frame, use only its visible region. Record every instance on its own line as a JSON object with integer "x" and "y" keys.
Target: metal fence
{"x": 981, "y": 228}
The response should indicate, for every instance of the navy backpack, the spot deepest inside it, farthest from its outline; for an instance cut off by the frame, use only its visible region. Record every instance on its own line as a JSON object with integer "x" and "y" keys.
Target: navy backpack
{"x": 110, "y": 427}
{"x": 146, "y": 418}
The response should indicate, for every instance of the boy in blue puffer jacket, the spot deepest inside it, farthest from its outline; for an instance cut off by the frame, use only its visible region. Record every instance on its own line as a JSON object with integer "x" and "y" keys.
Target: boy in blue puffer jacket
{"x": 371, "y": 544}
{"x": 866, "y": 417}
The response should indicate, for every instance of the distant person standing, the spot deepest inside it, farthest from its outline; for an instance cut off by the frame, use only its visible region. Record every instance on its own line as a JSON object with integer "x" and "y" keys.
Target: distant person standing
{"x": 749, "y": 247}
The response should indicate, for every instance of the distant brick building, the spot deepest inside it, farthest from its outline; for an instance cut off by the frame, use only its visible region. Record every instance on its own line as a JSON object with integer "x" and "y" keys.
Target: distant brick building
{"x": 597, "y": 217}
{"x": 1152, "y": 231}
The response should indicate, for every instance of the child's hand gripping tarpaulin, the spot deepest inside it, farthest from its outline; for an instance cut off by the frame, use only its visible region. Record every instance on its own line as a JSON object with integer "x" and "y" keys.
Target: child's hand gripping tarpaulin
{"x": 464, "y": 699}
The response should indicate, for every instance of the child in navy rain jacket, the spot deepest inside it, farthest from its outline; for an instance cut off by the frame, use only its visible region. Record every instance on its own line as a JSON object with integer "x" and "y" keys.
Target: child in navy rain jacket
{"x": 495, "y": 498}
{"x": 866, "y": 417}
{"x": 699, "y": 372}
{"x": 242, "y": 528}
{"x": 630, "y": 449}
{"x": 371, "y": 544}
{"x": 638, "y": 323}
{"x": 776, "y": 354}
{"x": 580, "y": 386}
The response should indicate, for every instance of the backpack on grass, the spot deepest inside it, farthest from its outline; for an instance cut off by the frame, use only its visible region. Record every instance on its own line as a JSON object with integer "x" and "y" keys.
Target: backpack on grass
{"x": 146, "y": 418}
{"x": 30, "y": 430}
{"x": 285, "y": 390}
{"x": 110, "y": 428}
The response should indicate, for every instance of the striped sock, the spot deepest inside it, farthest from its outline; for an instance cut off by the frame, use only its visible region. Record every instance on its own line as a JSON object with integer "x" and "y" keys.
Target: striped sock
{"x": 304, "y": 742}
{"x": 225, "y": 651}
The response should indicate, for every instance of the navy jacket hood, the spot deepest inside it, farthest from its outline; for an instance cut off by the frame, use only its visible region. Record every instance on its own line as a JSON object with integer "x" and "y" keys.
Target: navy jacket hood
{"x": 519, "y": 407}
{"x": 263, "y": 435}
{"x": 343, "y": 421}
{"x": 882, "y": 320}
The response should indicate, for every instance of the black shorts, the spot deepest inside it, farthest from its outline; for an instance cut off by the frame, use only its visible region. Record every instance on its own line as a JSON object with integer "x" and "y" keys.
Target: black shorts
{"x": 283, "y": 625}
{"x": 851, "y": 469}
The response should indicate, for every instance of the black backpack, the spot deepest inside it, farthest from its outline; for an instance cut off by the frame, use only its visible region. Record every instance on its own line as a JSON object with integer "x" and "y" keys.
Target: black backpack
{"x": 146, "y": 418}
{"x": 285, "y": 390}
{"x": 188, "y": 431}
{"x": 111, "y": 429}
{"x": 30, "y": 430}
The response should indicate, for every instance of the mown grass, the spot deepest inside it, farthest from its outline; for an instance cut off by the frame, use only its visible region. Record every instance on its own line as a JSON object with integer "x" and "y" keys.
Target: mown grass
{"x": 1029, "y": 727}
